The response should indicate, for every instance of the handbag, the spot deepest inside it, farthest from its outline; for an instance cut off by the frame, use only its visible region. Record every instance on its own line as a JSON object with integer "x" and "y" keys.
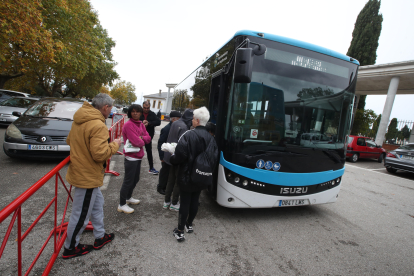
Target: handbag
{"x": 130, "y": 148}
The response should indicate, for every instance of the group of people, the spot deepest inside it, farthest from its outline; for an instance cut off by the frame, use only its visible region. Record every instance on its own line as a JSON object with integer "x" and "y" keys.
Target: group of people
{"x": 90, "y": 148}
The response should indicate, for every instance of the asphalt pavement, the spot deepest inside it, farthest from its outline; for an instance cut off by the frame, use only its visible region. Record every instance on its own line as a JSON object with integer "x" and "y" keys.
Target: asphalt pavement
{"x": 368, "y": 231}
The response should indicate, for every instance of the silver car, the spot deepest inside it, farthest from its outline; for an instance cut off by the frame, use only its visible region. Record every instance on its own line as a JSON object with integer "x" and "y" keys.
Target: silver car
{"x": 14, "y": 104}
{"x": 400, "y": 159}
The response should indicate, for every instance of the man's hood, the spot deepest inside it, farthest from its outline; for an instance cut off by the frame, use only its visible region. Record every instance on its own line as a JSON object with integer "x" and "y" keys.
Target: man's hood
{"x": 87, "y": 113}
{"x": 187, "y": 117}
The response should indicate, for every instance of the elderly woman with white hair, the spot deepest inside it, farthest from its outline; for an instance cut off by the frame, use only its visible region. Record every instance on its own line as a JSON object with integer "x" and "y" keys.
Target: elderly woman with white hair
{"x": 191, "y": 144}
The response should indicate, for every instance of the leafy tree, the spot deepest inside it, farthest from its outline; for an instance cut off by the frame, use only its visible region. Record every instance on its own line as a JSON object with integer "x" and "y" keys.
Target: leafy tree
{"x": 405, "y": 131}
{"x": 181, "y": 99}
{"x": 375, "y": 126}
{"x": 82, "y": 60}
{"x": 24, "y": 38}
{"x": 365, "y": 37}
{"x": 308, "y": 93}
{"x": 392, "y": 130}
{"x": 123, "y": 93}
{"x": 363, "y": 121}
{"x": 104, "y": 90}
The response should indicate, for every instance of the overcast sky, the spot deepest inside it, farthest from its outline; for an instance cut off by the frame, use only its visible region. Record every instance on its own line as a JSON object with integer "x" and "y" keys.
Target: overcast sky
{"x": 159, "y": 42}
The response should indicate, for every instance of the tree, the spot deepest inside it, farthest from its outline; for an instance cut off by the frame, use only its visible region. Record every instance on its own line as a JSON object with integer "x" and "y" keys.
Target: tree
{"x": 375, "y": 126}
{"x": 405, "y": 132}
{"x": 24, "y": 38}
{"x": 308, "y": 93}
{"x": 365, "y": 37}
{"x": 123, "y": 93}
{"x": 392, "y": 130}
{"x": 82, "y": 59}
{"x": 363, "y": 121}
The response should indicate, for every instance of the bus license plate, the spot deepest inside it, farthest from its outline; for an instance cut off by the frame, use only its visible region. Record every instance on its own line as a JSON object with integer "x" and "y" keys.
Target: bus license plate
{"x": 293, "y": 202}
{"x": 41, "y": 147}
{"x": 2, "y": 120}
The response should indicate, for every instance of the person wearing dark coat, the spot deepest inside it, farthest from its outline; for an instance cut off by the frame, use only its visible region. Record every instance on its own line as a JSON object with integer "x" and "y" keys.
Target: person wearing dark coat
{"x": 150, "y": 121}
{"x": 159, "y": 114}
{"x": 188, "y": 148}
{"x": 177, "y": 129}
{"x": 165, "y": 168}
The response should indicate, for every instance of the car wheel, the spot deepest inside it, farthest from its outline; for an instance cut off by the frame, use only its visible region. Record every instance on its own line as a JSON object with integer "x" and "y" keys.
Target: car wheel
{"x": 381, "y": 158}
{"x": 354, "y": 157}
{"x": 391, "y": 170}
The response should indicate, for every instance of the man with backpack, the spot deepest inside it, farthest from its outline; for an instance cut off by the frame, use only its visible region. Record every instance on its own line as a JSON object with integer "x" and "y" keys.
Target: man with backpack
{"x": 196, "y": 154}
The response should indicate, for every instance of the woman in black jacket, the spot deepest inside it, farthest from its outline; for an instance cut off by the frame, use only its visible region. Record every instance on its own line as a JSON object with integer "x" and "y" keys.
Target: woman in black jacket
{"x": 190, "y": 145}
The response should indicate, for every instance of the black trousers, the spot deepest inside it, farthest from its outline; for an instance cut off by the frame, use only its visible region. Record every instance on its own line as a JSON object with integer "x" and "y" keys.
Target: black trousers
{"x": 163, "y": 178}
{"x": 131, "y": 178}
{"x": 188, "y": 208}
{"x": 148, "y": 149}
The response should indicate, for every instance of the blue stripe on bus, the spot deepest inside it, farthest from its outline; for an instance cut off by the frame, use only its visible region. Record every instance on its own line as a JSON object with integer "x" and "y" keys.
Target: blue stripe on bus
{"x": 297, "y": 43}
{"x": 280, "y": 178}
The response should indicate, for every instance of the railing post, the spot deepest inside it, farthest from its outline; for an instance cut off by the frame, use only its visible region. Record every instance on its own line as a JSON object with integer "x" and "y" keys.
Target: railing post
{"x": 19, "y": 240}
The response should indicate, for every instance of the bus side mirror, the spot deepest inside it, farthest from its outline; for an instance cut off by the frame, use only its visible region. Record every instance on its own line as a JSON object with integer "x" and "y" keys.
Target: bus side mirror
{"x": 243, "y": 65}
{"x": 16, "y": 113}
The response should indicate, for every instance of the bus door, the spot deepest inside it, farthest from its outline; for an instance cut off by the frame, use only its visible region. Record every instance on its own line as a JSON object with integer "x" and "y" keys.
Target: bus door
{"x": 217, "y": 110}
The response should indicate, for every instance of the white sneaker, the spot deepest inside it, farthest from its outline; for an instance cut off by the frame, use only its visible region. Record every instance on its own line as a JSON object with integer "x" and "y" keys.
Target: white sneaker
{"x": 125, "y": 208}
{"x": 175, "y": 207}
{"x": 166, "y": 205}
{"x": 133, "y": 201}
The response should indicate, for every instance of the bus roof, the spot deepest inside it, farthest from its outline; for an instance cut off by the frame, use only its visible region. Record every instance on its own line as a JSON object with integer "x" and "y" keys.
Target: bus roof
{"x": 297, "y": 43}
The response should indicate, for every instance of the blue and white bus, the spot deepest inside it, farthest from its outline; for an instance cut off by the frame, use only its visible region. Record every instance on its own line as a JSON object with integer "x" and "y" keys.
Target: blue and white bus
{"x": 282, "y": 110}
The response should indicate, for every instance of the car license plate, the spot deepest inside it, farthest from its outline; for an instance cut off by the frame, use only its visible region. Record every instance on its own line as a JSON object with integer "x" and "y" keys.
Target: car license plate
{"x": 407, "y": 157}
{"x": 2, "y": 120}
{"x": 41, "y": 147}
{"x": 293, "y": 202}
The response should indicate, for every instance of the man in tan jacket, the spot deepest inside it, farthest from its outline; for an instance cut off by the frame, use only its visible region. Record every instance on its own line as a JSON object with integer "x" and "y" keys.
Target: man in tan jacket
{"x": 89, "y": 150}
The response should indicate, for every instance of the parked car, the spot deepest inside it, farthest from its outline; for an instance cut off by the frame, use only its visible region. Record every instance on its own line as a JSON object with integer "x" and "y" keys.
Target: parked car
{"x": 14, "y": 104}
{"x": 41, "y": 131}
{"x": 113, "y": 111}
{"x": 364, "y": 147}
{"x": 6, "y": 94}
{"x": 166, "y": 116}
{"x": 400, "y": 159}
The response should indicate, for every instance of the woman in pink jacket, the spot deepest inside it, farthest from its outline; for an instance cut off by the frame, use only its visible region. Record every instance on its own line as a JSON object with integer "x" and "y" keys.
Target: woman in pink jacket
{"x": 134, "y": 131}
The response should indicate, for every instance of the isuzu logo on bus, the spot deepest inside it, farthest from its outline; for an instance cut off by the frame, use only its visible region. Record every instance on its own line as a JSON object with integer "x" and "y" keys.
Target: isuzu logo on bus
{"x": 300, "y": 190}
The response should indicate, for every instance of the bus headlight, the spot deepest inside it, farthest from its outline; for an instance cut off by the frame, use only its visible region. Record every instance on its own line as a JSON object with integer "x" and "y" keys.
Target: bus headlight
{"x": 237, "y": 179}
{"x": 245, "y": 182}
{"x": 13, "y": 132}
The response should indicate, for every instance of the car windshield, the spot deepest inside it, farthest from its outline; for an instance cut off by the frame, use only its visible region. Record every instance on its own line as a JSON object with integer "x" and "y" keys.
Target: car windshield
{"x": 18, "y": 102}
{"x": 407, "y": 147}
{"x": 54, "y": 108}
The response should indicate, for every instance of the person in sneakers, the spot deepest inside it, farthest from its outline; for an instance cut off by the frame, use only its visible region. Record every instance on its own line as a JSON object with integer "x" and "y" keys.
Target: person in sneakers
{"x": 134, "y": 131}
{"x": 165, "y": 169}
{"x": 89, "y": 150}
{"x": 188, "y": 148}
{"x": 150, "y": 121}
{"x": 177, "y": 129}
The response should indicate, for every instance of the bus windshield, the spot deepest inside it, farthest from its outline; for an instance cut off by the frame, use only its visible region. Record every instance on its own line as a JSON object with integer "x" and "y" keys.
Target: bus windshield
{"x": 297, "y": 98}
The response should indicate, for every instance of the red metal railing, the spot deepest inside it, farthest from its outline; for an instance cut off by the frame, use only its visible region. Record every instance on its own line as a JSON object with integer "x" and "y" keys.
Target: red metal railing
{"x": 115, "y": 132}
{"x": 58, "y": 232}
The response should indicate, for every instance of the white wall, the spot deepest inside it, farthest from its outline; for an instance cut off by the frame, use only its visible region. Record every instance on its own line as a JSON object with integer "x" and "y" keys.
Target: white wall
{"x": 155, "y": 107}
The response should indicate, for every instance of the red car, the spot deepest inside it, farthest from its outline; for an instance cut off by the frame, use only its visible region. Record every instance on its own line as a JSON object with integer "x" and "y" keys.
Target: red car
{"x": 364, "y": 147}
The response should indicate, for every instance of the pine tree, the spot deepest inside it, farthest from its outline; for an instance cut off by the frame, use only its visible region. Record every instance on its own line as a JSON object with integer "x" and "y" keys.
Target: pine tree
{"x": 365, "y": 37}
{"x": 392, "y": 130}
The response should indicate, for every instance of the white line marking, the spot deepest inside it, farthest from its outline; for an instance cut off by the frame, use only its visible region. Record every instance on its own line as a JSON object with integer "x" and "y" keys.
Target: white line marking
{"x": 108, "y": 176}
{"x": 401, "y": 178}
